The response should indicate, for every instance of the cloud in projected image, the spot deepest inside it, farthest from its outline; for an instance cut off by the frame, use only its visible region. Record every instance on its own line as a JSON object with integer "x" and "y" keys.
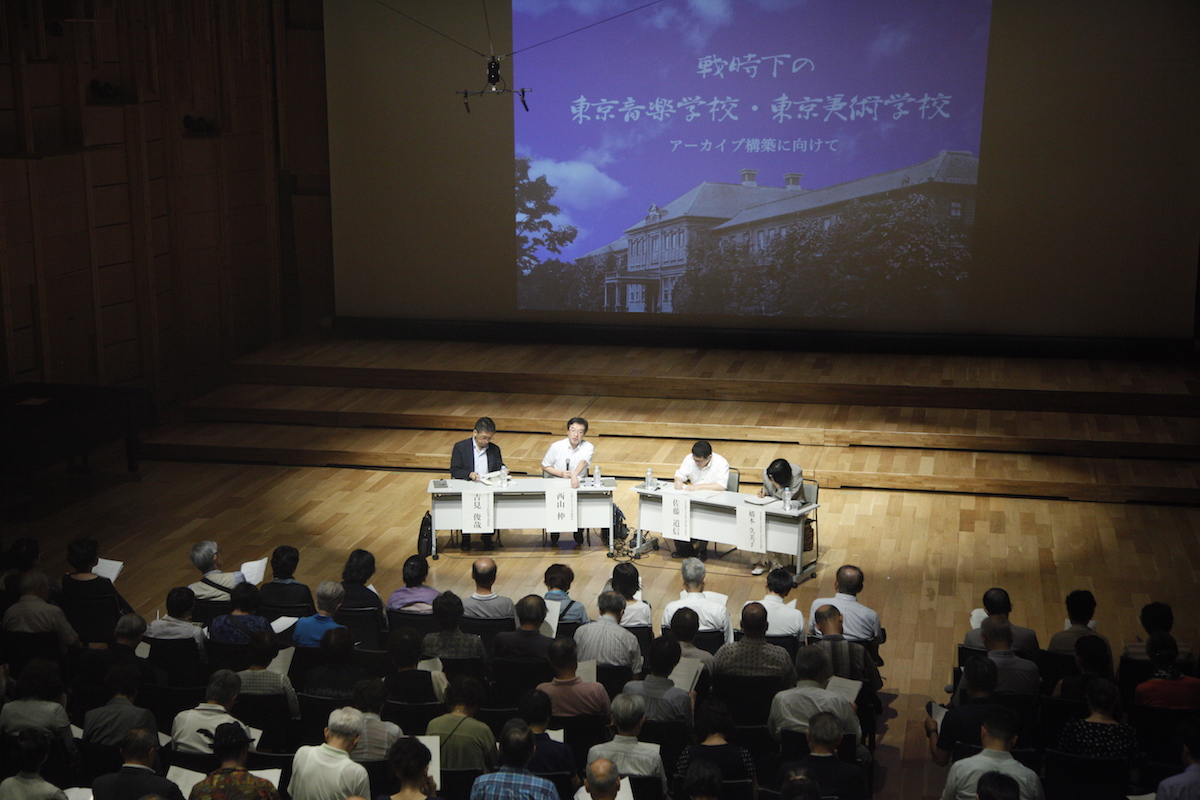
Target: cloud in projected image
{"x": 890, "y": 42}
{"x": 580, "y": 184}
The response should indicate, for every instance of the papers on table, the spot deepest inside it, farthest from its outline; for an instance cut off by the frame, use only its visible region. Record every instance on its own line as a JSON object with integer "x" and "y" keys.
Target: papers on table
{"x": 586, "y": 671}
{"x": 845, "y": 687}
{"x": 705, "y": 494}
{"x": 686, "y": 673}
{"x": 281, "y": 624}
{"x": 185, "y": 779}
{"x": 254, "y": 571}
{"x": 434, "y": 743}
{"x": 107, "y": 568}
{"x": 282, "y": 661}
{"x": 761, "y": 501}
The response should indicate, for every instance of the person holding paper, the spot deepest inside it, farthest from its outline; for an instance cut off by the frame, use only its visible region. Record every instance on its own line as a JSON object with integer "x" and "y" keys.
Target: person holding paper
{"x": 83, "y": 556}
{"x": 714, "y": 616}
{"x": 703, "y": 470}
{"x": 215, "y": 585}
{"x": 569, "y": 458}
{"x": 410, "y": 760}
{"x": 192, "y": 729}
{"x": 136, "y": 778}
{"x": 232, "y": 780}
{"x": 473, "y": 458}
{"x": 793, "y": 708}
{"x": 325, "y": 772}
{"x": 665, "y": 702}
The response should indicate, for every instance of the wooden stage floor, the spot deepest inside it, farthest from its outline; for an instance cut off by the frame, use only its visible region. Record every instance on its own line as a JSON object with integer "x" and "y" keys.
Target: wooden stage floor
{"x": 931, "y": 521}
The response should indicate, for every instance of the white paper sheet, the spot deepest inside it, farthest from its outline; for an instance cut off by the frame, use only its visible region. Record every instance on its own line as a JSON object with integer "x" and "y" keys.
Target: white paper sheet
{"x": 586, "y": 671}
{"x": 686, "y": 673}
{"x": 550, "y": 626}
{"x": 107, "y": 568}
{"x": 845, "y": 687}
{"x": 281, "y": 624}
{"x": 254, "y": 571}
{"x": 282, "y": 661}
{"x": 434, "y": 743}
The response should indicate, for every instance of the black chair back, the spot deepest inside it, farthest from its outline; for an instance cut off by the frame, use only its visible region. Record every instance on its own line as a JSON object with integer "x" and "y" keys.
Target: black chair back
{"x": 613, "y": 677}
{"x": 789, "y": 643}
{"x": 1131, "y": 673}
{"x": 314, "y": 715}
{"x": 1069, "y": 776}
{"x": 93, "y": 618}
{"x": 203, "y": 763}
{"x": 487, "y": 629}
{"x": 303, "y": 660}
{"x": 205, "y": 611}
{"x": 1054, "y": 667}
{"x": 165, "y": 702}
{"x": 561, "y": 781}
{"x": 97, "y": 759}
{"x": 413, "y": 718}
{"x": 377, "y": 663}
{"x": 456, "y": 783}
{"x": 566, "y": 630}
{"x": 21, "y": 648}
{"x": 274, "y": 611}
{"x": 710, "y": 640}
{"x": 1054, "y": 713}
{"x": 365, "y": 623}
{"x": 671, "y": 738}
{"x": 646, "y": 787}
{"x": 644, "y": 634}
{"x": 581, "y": 732}
{"x": 1156, "y": 729}
{"x": 737, "y": 790}
{"x": 495, "y": 718}
{"x": 423, "y": 623}
{"x": 382, "y": 776}
{"x": 748, "y": 697}
{"x": 222, "y": 655}
{"x": 512, "y": 678}
{"x": 279, "y": 761}
{"x": 471, "y": 667}
{"x": 179, "y": 659}
{"x": 270, "y": 714}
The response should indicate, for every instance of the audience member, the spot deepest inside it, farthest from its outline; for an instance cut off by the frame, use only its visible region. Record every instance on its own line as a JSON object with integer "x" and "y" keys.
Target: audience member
{"x": 801, "y": 786}
{"x": 963, "y": 722}
{"x": 178, "y": 624}
{"x": 409, "y": 683}
{"x": 526, "y": 643}
{"x": 484, "y": 603}
{"x": 356, "y": 578}
{"x": 1156, "y": 617}
{"x": 257, "y": 679}
{"x": 512, "y": 781}
{"x": 410, "y": 760}
{"x": 127, "y": 635}
{"x": 1185, "y": 785}
{"x": 605, "y": 641}
{"x": 1168, "y": 688}
{"x": 284, "y": 589}
{"x": 338, "y": 674}
{"x": 1014, "y": 675}
{"x": 30, "y": 750}
{"x": 558, "y": 579}
{"x": 1081, "y": 607}
{"x": 570, "y": 695}
{"x": 378, "y": 736}
{"x": 713, "y": 615}
{"x": 632, "y": 758}
{"x": 215, "y": 584}
{"x": 782, "y": 619}
{"x": 231, "y": 780}
{"x": 549, "y": 756}
{"x": 997, "y": 786}
{"x": 1099, "y": 735}
{"x": 861, "y": 624}
{"x": 83, "y": 555}
{"x": 664, "y": 701}
{"x": 136, "y": 778}
{"x": 32, "y": 613}
{"x": 108, "y": 724}
{"x": 997, "y": 603}
{"x": 999, "y": 736}
{"x": 702, "y": 781}
{"x": 603, "y": 781}
{"x": 309, "y": 630}
{"x": 1091, "y": 659}
{"x": 714, "y": 728}
{"x": 626, "y": 582}
{"x": 466, "y": 743}
{"x": 450, "y": 642}
{"x": 684, "y": 625}
{"x": 237, "y": 626}
{"x": 834, "y": 776}
{"x": 192, "y": 729}
{"x": 326, "y": 771}
{"x": 793, "y": 708}
{"x": 38, "y": 704}
{"x": 753, "y": 655}
{"x": 847, "y": 659}
{"x": 414, "y": 596}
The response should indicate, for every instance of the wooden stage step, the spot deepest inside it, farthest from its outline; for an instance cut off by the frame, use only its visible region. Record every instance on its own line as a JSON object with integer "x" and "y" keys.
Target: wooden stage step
{"x": 1075, "y": 434}
{"x": 1036, "y": 475}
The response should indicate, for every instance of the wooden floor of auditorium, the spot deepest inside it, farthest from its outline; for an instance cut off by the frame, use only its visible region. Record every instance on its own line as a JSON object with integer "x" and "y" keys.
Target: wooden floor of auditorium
{"x": 940, "y": 477}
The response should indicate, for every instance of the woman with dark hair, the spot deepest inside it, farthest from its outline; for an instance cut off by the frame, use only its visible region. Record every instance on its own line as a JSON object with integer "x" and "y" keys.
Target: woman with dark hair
{"x": 257, "y": 679}
{"x": 450, "y": 642}
{"x": 244, "y": 621}
{"x": 627, "y": 583}
{"x": 409, "y": 683}
{"x": 285, "y": 590}
{"x": 712, "y": 731}
{"x": 1099, "y": 735}
{"x": 410, "y": 761}
{"x": 356, "y": 576}
{"x": 83, "y": 555}
{"x": 39, "y": 704}
{"x": 336, "y": 678}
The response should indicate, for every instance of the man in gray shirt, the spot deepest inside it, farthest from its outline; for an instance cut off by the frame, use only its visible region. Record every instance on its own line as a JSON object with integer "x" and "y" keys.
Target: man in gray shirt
{"x": 665, "y": 702}
{"x": 484, "y": 603}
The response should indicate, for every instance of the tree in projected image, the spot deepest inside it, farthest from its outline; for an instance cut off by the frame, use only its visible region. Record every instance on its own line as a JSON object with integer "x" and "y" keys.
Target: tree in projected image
{"x": 536, "y": 229}
{"x": 564, "y": 286}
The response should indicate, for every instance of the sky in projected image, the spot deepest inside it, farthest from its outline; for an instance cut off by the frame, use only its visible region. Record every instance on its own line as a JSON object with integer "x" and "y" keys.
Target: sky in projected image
{"x": 767, "y": 85}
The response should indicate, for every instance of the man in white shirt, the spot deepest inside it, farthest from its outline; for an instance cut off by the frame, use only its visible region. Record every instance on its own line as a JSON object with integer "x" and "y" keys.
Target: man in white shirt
{"x": 192, "y": 730}
{"x": 702, "y": 470}
{"x": 999, "y": 737}
{"x": 782, "y": 620}
{"x": 177, "y": 624}
{"x": 714, "y": 616}
{"x": 570, "y": 458}
{"x": 860, "y": 624}
{"x": 325, "y": 772}
{"x": 215, "y": 585}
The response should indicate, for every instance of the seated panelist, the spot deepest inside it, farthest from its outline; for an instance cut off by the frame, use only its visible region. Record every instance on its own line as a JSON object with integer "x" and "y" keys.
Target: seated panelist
{"x": 473, "y": 458}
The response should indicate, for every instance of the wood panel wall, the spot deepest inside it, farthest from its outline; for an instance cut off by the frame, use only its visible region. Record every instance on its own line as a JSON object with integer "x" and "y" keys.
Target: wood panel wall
{"x": 141, "y": 245}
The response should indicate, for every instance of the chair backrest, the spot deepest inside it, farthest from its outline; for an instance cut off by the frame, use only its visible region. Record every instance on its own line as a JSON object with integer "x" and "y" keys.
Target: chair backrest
{"x": 645, "y": 636}
{"x": 810, "y": 489}
{"x": 472, "y": 667}
{"x": 377, "y": 663}
{"x": 737, "y": 790}
{"x": 1156, "y": 729}
{"x": 710, "y": 640}
{"x": 1054, "y": 713}
{"x": 165, "y": 702}
{"x": 314, "y": 714}
{"x": 581, "y": 732}
{"x": 487, "y": 629}
{"x": 364, "y": 623}
{"x": 495, "y": 717}
{"x": 646, "y": 787}
{"x": 21, "y": 648}
{"x": 1054, "y": 667}
{"x": 456, "y": 783}
{"x": 1069, "y": 775}
{"x": 422, "y": 623}
{"x": 748, "y": 697}
{"x": 613, "y": 677}
{"x": 413, "y": 718}
{"x": 671, "y": 738}
{"x": 1131, "y": 673}
{"x": 203, "y": 763}
{"x": 965, "y": 654}
{"x": 274, "y": 611}
{"x": 566, "y": 630}
{"x": 303, "y": 659}
{"x": 270, "y": 714}
{"x": 179, "y": 658}
{"x": 561, "y": 781}
{"x": 223, "y": 655}
{"x": 382, "y": 776}
{"x": 734, "y": 480}
{"x": 205, "y": 611}
{"x": 789, "y": 643}
{"x": 93, "y": 618}
{"x": 512, "y": 678}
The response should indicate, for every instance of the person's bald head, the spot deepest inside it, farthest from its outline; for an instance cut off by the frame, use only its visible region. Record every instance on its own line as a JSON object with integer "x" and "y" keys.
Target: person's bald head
{"x": 602, "y": 780}
{"x": 483, "y": 572}
{"x": 754, "y": 620}
{"x": 828, "y": 620}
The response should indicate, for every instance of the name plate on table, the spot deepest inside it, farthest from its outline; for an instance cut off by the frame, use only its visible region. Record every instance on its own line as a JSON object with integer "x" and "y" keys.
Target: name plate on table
{"x": 677, "y": 512}
{"x": 478, "y": 512}
{"x": 752, "y": 529}
{"x": 562, "y": 508}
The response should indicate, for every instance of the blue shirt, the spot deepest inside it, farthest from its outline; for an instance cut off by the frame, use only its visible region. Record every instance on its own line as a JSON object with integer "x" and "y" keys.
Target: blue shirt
{"x": 309, "y": 630}
{"x": 508, "y": 783}
{"x": 576, "y": 613}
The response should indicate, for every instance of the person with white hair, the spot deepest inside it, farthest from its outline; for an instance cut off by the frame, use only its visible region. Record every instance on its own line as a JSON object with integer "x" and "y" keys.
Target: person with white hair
{"x": 714, "y": 616}
{"x": 326, "y": 772}
{"x": 215, "y": 584}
